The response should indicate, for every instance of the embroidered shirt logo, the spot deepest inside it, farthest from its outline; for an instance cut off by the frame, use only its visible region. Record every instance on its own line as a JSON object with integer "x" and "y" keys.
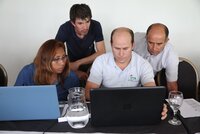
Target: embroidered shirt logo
{"x": 131, "y": 78}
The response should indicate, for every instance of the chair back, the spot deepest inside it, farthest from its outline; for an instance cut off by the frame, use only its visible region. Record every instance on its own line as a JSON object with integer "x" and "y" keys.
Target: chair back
{"x": 188, "y": 79}
{"x": 3, "y": 76}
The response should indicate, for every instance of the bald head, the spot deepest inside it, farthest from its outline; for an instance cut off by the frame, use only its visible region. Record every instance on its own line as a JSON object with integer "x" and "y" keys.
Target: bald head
{"x": 122, "y": 31}
{"x": 122, "y": 39}
{"x": 158, "y": 28}
{"x": 157, "y": 38}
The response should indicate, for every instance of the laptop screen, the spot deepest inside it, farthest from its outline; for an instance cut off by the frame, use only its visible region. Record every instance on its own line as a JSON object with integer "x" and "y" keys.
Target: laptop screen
{"x": 29, "y": 103}
{"x": 126, "y": 106}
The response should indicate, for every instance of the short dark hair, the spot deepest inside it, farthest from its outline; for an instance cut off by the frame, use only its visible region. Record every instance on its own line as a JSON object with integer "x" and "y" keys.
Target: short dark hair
{"x": 127, "y": 29}
{"x": 160, "y": 24}
{"x": 80, "y": 11}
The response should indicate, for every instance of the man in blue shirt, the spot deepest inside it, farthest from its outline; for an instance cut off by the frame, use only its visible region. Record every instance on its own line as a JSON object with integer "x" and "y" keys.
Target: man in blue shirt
{"x": 80, "y": 33}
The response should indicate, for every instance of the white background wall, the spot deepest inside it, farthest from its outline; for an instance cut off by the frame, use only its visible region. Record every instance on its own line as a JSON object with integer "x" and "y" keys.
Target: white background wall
{"x": 26, "y": 24}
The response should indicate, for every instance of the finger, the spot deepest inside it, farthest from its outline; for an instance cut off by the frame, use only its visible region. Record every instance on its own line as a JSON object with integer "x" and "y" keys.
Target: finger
{"x": 165, "y": 108}
{"x": 164, "y": 117}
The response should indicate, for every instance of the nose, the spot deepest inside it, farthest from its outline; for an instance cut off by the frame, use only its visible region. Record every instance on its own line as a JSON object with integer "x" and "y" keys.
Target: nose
{"x": 121, "y": 53}
{"x": 85, "y": 26}
{"x": 62, "y": 62}
{"x": 154, "y": 47}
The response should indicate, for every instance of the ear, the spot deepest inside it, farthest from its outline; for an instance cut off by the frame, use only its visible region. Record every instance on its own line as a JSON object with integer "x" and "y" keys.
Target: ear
{"x": 167, "y": 40}
{"x": 72, "y": 23}
{"x": 133, "y": 46}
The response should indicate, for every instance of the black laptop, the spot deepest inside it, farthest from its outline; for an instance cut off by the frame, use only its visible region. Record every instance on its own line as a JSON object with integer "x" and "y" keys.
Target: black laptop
{"x": 127, "y": 105}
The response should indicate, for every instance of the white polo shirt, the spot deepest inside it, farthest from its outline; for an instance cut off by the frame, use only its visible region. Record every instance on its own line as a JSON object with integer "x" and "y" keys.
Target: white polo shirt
{"x": 167, "y": 59}
{"x": 105, "y": 72}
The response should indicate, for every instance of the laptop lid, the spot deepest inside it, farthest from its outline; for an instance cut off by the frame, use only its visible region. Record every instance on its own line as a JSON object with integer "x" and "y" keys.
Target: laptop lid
{"x": 29, "y": 103}
{"x": 126, "y": 106}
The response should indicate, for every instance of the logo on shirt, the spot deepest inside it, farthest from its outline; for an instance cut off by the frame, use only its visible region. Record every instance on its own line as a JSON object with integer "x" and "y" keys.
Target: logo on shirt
{"x": 131, "y": 78}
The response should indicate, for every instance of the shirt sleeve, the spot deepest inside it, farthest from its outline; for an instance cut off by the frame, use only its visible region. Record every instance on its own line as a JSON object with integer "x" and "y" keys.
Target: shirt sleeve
{"x": 25, "y": 76}
{"x": 172, "y": 67}
{"x": 99, "y": 33}
{"x": 96, "y": 71}
{"x": 61, "y": 34}
{"x": 147, "y": 74}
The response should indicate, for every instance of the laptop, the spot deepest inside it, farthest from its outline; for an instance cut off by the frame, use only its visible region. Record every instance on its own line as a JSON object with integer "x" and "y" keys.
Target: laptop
{"x": 29, "y": 103}
{"x": 126, "y": 105}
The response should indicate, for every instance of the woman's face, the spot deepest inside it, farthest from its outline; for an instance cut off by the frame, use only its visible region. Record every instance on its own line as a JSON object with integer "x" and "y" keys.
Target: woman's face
{"x": 59, "y": 61}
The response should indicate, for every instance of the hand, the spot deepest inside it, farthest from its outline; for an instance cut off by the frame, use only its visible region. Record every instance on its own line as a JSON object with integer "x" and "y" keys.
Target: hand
{"x": 81, "y": 75}
{"x": 164, "y": 112}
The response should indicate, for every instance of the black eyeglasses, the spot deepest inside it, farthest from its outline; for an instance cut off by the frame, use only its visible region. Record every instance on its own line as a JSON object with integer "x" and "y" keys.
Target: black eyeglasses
{"x": 57, "y": 59}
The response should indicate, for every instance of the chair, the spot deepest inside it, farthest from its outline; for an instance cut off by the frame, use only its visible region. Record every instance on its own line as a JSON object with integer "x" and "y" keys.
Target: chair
{"x": 188, "y": 80}
{"x": 3, "y": 76}
{"x": 199, "y": 92}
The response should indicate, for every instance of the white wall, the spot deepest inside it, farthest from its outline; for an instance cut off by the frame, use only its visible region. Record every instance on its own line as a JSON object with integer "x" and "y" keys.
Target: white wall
{"x": 26, "y": 24}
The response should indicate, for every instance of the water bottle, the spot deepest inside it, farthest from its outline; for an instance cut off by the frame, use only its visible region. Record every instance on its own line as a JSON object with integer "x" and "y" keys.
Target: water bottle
{"x": 77, "y": 111}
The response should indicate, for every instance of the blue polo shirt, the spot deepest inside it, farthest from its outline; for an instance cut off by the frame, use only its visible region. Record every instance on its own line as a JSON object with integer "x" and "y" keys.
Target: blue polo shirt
{"x": 26, "y": 76}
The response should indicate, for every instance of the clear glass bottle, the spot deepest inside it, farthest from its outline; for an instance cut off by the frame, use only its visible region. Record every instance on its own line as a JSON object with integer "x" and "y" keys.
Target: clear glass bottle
{"x": 77, "y": 111}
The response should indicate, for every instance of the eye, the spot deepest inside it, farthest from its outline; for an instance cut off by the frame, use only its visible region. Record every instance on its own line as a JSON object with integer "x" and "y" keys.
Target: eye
{"x": 57, "y": 59}
{"x": 126, "y": 48}
{"x": 159, "y": 44}
{"x": 88, "y": 21}
{"x": 150, "y": 43}
{"x": 64, "y": 57}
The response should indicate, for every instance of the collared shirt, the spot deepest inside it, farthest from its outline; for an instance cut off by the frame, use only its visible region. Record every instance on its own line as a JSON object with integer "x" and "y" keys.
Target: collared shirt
{"x": 167, "y": 59}
{"x": 105, "y": 71}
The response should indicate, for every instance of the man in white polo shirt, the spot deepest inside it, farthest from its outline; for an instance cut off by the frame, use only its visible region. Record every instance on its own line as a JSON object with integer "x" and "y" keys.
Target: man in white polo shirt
{"x": 154, "y": 47}
{"x": 122, "y": 67}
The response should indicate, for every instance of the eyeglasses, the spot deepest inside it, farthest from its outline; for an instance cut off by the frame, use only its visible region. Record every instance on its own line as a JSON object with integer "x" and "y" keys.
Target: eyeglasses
{"x": 57, "y": 59}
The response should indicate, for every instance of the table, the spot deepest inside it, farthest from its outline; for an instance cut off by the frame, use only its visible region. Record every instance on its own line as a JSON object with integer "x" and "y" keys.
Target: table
{"x": 192, "y": 125}
{"x": 53, "y": 126}
{"x": 189, "y": 126}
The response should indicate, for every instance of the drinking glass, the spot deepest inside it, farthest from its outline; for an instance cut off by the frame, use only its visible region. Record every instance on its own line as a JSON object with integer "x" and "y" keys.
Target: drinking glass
{"x": 175, "y": 99}
{"x": 77, "y": 112}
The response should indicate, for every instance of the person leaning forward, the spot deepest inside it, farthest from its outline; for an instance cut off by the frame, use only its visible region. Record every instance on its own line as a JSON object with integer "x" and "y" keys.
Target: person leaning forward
{"x": 50, "y": 67}
{"x": 79, "y": 34}
{"x": 154, "y": 46}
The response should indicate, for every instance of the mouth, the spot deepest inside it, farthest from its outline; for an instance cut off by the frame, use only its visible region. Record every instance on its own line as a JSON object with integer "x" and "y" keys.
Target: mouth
{"x": 85, "y": 31}
{"x": 120, "y": 60}
{"x": 154, "y": 53}
{"x": 60, "y": 69}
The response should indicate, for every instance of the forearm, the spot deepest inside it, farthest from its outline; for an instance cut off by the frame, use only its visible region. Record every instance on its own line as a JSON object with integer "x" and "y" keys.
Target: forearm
{"x": 149, "y": 84}
{"x": 88, "y": 87}
{"x": 172, "y": 86}
{"x": 89, "y": 59}
{"x": 100, "y": 49}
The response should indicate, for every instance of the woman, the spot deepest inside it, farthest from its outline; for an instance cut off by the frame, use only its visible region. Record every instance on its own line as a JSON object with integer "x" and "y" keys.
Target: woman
{"x": 50, "y": 67}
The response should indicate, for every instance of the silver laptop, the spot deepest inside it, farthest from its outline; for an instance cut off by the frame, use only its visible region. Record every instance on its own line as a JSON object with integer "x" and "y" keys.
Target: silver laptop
{"x": 126, "y": 106}
{"x": 29, "y": 103}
